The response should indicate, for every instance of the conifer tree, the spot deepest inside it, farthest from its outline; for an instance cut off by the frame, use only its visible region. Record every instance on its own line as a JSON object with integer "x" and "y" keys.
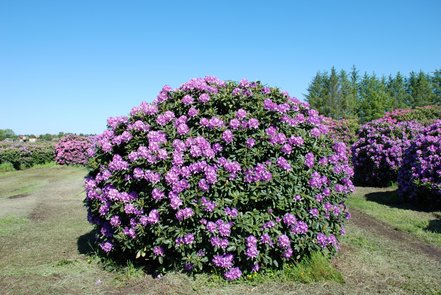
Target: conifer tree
{"x": 374, "y": 99}
{"x": 436, "y": 86}
{"x": 317, "y": 92}
{"x": 396, "y": 88}
{"x": 420, "y": 89}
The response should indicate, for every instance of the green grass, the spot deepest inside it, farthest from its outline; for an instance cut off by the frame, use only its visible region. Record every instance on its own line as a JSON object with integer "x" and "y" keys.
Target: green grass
{"x": 6, "y": 167}
{"x": 314, "y": 269}
{"x": 11, "y": 224}
{"x": 44, "y": 249}
{"x": 384, "y": 205}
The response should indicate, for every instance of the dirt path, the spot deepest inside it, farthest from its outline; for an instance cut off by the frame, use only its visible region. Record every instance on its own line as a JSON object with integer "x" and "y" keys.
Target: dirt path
{"x": 364, "y": 221}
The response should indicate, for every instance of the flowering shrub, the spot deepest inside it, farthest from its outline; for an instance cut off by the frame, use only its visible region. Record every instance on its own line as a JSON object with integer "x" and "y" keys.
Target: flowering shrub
{"x": 72, "y": 150}
{"x": 214, "y": 175}
{"x": 378, "y": 153}
{"x": 343, "y": 130}
{"x": 24, "y": 155}
{"x": 419, "y": 178}
{"x": 425, "y": 115}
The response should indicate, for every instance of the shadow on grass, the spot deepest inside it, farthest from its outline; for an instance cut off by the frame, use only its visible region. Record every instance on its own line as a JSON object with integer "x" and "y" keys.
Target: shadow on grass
{"x": 391, "y": 199}
{"x": 434, "y": 226}
{"x": 86, "y": 243}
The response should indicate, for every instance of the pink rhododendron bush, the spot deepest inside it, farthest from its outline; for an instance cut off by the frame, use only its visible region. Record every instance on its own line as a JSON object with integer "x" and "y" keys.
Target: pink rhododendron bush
{"x": 378, "y": 154}
{"x": 218, "y": 176}
{"x": 419, "y": 177}
{"x": 73, "y": 150}
{"x": 343, "y": 130}
{"x": 425, "y": 115}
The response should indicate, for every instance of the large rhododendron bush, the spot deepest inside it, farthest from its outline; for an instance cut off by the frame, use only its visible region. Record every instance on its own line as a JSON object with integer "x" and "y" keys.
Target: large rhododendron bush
{"x": 73, "y": 150}
{"x": 419, "y": 177}
{"x": 218, "y": 176}
{"x": 378, "y": 154}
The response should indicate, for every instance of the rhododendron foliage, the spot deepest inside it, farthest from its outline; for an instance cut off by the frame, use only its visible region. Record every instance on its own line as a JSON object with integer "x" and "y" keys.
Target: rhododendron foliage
{"x": 419, "y": 177}
{"x": 73, "y": 150}
{"x": 214, "y": 175}
{"x": 378, "y": 153}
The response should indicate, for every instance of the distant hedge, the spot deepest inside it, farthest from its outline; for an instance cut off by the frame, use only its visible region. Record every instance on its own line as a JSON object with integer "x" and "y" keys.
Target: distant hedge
{"x": 425, "y": 115}
{"x": 72, "y": 150}
{"x": 24, "y": 155}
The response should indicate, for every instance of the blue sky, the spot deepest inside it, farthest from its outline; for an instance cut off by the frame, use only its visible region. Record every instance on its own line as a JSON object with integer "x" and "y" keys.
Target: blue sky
{"x": 69, "y": 65}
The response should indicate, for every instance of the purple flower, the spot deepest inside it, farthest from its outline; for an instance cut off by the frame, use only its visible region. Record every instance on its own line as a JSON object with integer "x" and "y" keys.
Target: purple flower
{"x": 204, "y": 98}
{"x": 309, "y": 160}
{"x": 219, "y": 242}
{"x": 234, "y": 124}
{"x": 322, "y": 240}
{"x": 215, "y": 122}
{"x": 153, "y": 217}
{"x": 284, "y": 164}
{"x": 115, "y": 221}
{"x": 211, "y": 226}
{"x": 203, "y": 185}
{"x": 231, "y": 212}
{"x": 287, "y": 253}
{"x": 158, "y": 251}
{"x": 289, "y": 219}
{"x": 223, "y": 261}
{"x": 236, "y": 91}
{"x": 250, "y": 142}
{"x": 233, "y": 274}
{"x": 241, "y": 114}
{"x": 187, "y": 99}
{"x": 266, "y": 239}
{"x": 182, "y": 129}
{"x": 184, "y": 214}
{"x": 193, "y": 112}
{"x": 314, "y": 212}
{"x": 252, "y": 252}
{"x": 223, "y": 228}
{"x": 188, "y": 266}
{"x": 227, "y": 136}
{"x": 157, "y": 194}
{"x": 253, "y": 123}
{"x": 118, "y": 164}
{"x": 175, "y": 201}
{"x": 188, "y": 239}
{"x": 286, "y": 148}
{"x": 300, "y": 228}
{"x": 106, "y": 247}
{"x": 296, "y": 140}
{"x": 284, "y": 241}
{"x": 207, "y": 204}
{"x": 251, "y": 241}
{"x": 130, "y": 232}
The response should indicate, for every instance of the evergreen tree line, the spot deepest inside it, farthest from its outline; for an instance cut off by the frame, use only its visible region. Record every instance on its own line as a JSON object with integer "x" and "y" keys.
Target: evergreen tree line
{"x": 348, "y": 95}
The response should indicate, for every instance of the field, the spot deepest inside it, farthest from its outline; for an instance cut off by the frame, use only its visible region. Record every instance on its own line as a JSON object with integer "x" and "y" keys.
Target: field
{"x": 45, "y": 248}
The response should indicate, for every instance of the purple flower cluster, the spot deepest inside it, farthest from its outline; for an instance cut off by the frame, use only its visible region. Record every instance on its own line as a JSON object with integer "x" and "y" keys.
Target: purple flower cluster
{"x": 378, "y": 153}
{"x": 73, "y": 150}
{"x": 419, "y": 178}
{"x": 218, "y": 175}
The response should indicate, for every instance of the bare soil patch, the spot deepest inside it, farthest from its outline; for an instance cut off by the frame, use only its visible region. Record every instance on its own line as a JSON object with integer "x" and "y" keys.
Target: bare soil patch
{"x": 406, "y": 240}
{"x": 19, "y": 196}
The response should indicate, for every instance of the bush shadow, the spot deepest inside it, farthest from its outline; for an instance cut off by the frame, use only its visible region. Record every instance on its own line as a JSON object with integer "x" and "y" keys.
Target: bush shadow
{"x": 391, "y": 199}
{"x": 87, "y": 244}
{"x": 434, "y": 226}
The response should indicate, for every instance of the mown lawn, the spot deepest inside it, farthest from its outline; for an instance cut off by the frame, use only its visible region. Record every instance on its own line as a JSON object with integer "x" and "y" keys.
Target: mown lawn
{"x": 44, "y": 249}
{"x": 384, "y": 204}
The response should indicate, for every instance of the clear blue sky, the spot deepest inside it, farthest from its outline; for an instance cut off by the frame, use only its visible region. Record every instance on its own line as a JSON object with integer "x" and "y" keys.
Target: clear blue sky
{"x": 69, "y": 65}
